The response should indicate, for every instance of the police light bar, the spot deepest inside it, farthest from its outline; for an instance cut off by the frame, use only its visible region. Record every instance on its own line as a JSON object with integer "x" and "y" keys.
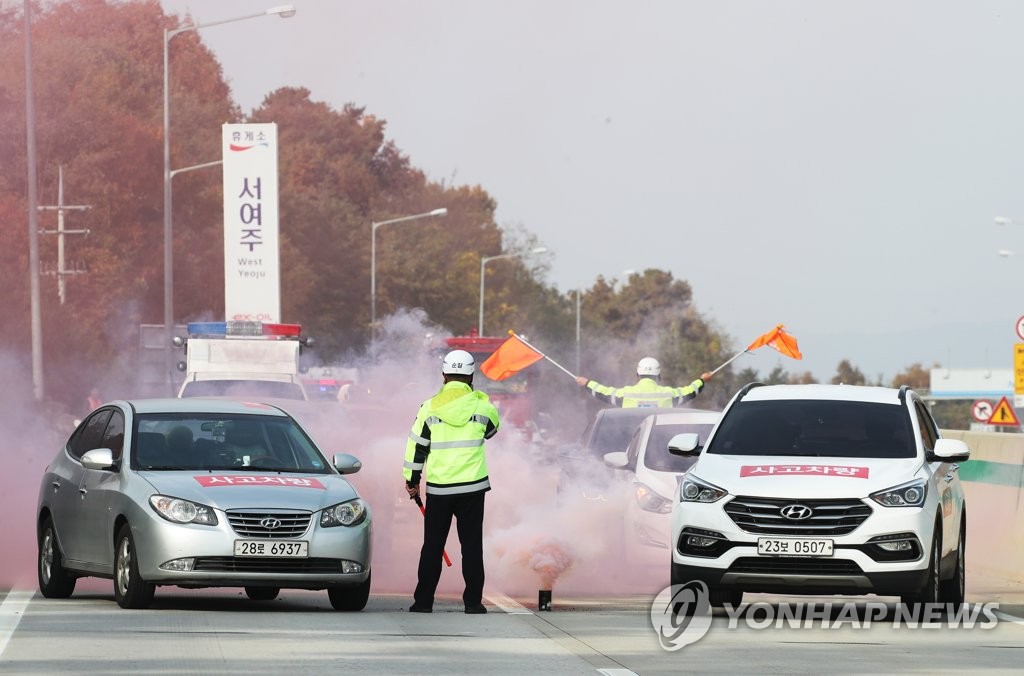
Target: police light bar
{"x": 243, "y": 328}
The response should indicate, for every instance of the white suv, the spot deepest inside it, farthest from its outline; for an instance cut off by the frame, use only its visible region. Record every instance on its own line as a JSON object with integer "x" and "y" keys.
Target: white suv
{"x": 822, "y": 489}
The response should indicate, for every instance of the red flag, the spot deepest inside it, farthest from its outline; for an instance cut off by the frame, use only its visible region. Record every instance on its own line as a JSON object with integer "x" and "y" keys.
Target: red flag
{"x": 510, "y": 358}
{"x": 780, "y": 340}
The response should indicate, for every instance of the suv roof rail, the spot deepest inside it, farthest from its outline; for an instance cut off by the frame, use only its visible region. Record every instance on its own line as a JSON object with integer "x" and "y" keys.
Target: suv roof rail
{"x": 746, "y": 388}
{"x": 903, "y": 394}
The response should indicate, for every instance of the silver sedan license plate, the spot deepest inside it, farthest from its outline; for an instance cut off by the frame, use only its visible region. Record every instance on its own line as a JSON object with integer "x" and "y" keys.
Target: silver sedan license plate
{"x": 793, "y": 547}
{"x": 272, "y": 548}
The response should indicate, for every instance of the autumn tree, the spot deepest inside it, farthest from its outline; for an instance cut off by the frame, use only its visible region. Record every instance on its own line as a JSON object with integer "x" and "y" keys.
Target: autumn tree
{"x": 915, "y": 377}
{"x": 98, "y": 91}
{"x": 848, "y": 374}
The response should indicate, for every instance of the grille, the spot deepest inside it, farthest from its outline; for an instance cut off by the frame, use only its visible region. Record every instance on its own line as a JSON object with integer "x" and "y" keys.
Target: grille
{"x": 228, "y": 564}
{"x": 247, "y": 523}
{"x": 794, "y": 566}
{"x": 830, "y": 517}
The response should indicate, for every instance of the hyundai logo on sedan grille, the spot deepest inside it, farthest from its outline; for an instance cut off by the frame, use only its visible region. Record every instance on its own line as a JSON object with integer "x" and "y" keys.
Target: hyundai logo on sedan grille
{"x": 796, "y": 512}
{"x": 270, "y": 523}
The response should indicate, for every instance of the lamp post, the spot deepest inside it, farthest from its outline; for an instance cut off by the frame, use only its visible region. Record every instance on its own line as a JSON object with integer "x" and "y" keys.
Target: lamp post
{"x": 484, "y": 261}
{"x": 284, "y": 11}
{"x": 579, "y": 294}
{"x": 373, "y": 267}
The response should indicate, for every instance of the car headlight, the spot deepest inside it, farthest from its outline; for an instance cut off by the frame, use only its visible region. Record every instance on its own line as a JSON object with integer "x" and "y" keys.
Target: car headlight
{"x": 693, "y": 489}
{"x": 183, "y": 511}
{"x": 651, "y": 501}
{"x": 910, "y": 494}
{"x": 349, "y": 513}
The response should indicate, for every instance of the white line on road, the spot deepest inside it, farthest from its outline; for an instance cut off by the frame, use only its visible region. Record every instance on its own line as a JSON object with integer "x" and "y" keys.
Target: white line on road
{"x": 1009, "y": 618}
{"x": 11, "y": 611}
{"x": 510, "y": 606}
{"x": 616, "y": 672}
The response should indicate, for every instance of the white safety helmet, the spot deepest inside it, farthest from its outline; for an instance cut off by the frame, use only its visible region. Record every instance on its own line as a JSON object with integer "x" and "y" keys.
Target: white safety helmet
{"x": 458, "y": 362}
{"x": 648, "y": 366}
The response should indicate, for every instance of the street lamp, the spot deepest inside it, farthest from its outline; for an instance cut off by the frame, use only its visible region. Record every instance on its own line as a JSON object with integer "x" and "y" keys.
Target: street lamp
{"x": 373, "y": 267}
{"x": 284, "y": 11}
{"x": 484, "y": 261}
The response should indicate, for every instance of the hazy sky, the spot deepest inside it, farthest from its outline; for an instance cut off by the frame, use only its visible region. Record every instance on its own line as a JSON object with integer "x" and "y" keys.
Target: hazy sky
{"x": 833, "y": 166}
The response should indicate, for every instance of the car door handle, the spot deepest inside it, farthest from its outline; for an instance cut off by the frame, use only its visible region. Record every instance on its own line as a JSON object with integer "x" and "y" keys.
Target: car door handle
{"x": 83, "y": 491}
{"x": 56, "y": 485}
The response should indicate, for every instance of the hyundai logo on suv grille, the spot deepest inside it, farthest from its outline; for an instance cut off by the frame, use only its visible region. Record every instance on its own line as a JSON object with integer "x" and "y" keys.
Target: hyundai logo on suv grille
{"x": 796, "y": 512}
{"x": 270, "y": 523}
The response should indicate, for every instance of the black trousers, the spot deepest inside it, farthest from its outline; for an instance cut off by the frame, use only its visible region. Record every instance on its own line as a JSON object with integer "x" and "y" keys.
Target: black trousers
{"x": 468, "y": 510}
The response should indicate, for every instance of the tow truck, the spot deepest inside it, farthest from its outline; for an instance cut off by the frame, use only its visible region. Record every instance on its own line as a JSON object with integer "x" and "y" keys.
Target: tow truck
{"x": 242, "y": 358}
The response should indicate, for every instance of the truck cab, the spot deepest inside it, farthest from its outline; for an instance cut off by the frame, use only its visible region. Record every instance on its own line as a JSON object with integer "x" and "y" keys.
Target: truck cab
{"x": 242, "y": 359}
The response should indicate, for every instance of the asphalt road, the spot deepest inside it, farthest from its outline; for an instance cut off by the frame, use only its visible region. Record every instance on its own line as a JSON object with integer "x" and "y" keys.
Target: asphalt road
{"x": 222, "y": 632}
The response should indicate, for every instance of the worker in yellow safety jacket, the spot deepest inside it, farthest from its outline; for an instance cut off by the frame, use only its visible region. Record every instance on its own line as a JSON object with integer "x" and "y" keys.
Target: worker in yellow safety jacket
{"x": 447, "y": 445}
{"x": 647, "y": 393}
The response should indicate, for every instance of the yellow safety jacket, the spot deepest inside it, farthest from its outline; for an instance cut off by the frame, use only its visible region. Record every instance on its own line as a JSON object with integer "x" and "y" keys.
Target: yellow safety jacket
{"x": 647, "y": 393}
{"x": 447, "y": 441}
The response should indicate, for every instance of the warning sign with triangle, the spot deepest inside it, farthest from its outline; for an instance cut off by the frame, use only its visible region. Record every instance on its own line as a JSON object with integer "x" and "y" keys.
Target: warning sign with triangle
{"x": 1004, "y": 414}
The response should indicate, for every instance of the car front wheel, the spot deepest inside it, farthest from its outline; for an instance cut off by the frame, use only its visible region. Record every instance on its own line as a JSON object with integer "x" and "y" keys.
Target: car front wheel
{"x": 953, "y": 589}
{"x": 351, "y": 597}
{"x": 54, "y": 581}
{"x": 130, "y": 590}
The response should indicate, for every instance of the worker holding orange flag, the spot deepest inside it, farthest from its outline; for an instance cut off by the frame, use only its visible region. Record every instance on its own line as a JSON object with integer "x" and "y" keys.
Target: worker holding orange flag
{"x": 647, "y": 392}
{"x": 515, "y": 354}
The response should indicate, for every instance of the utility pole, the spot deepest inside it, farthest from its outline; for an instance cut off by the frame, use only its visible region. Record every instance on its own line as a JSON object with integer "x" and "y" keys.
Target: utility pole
{"x": 60, "y": 208}
{"x": 33, "y": 216}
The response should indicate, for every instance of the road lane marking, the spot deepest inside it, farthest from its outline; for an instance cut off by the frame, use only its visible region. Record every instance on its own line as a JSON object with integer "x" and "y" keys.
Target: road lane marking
{"x": 11, "y": 611}
{"x": 1009, "y": 618}
{"x": 509, "y": 605}
{"x": 567, "y": 641}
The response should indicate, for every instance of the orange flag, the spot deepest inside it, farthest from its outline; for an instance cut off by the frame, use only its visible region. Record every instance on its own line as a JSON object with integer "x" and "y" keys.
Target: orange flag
{"x": 510, "y": 358}
{"x": 780, "y": 340}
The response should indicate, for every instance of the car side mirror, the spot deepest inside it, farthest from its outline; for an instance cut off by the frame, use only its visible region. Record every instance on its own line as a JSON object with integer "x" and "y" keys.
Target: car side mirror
{"x": 949, "y": 450}
{"x": 687, "y": 443}
{"x": 99, "y": 458}
{"x": 347, "y": 464}
{"x": 617, "y": 460}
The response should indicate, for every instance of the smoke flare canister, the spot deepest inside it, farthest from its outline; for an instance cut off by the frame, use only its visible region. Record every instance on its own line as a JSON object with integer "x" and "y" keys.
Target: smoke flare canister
{"x": 544, "y": 599}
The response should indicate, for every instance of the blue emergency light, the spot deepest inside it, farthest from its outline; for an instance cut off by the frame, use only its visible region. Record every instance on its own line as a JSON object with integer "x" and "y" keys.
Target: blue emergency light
{"x": 243, "y": 328}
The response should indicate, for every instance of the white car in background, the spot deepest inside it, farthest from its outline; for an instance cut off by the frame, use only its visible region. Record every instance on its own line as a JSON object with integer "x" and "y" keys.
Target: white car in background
{"x": 655, "y": 475}
{"x": 822, "y": 489}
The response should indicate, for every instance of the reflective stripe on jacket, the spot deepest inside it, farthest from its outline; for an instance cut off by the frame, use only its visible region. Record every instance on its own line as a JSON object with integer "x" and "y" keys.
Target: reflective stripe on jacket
{"x": 447, "y": 441}
{"x": 647, "y": 393}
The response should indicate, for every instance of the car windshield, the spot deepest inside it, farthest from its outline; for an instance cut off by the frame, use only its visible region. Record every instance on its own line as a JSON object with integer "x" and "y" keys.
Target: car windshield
{"x": 188, "y": 441}
{"x": 656, "y": 455}
{"x": 613, "y": 433}
{"x": 243, "y": 388}
{"x": 842, "y": 429}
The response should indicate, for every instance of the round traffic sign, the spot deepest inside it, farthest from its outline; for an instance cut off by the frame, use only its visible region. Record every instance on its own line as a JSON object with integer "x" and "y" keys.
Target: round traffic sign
{"x": 1020, "y": 328}
{"x": 981, "y": 410}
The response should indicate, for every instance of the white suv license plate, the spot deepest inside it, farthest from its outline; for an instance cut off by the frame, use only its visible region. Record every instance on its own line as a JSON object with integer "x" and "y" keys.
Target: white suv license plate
{"x": 793, "y": 547}
{"x": 272, "y": 548}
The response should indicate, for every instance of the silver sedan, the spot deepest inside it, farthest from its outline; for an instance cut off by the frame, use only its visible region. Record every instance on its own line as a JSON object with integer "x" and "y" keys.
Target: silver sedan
{"x": 201, "y": 493}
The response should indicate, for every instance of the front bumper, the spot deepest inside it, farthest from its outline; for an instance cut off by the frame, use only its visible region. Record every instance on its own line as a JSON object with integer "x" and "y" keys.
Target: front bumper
{"x": 158, "y": 541}
{"x": 854, "y": 567}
